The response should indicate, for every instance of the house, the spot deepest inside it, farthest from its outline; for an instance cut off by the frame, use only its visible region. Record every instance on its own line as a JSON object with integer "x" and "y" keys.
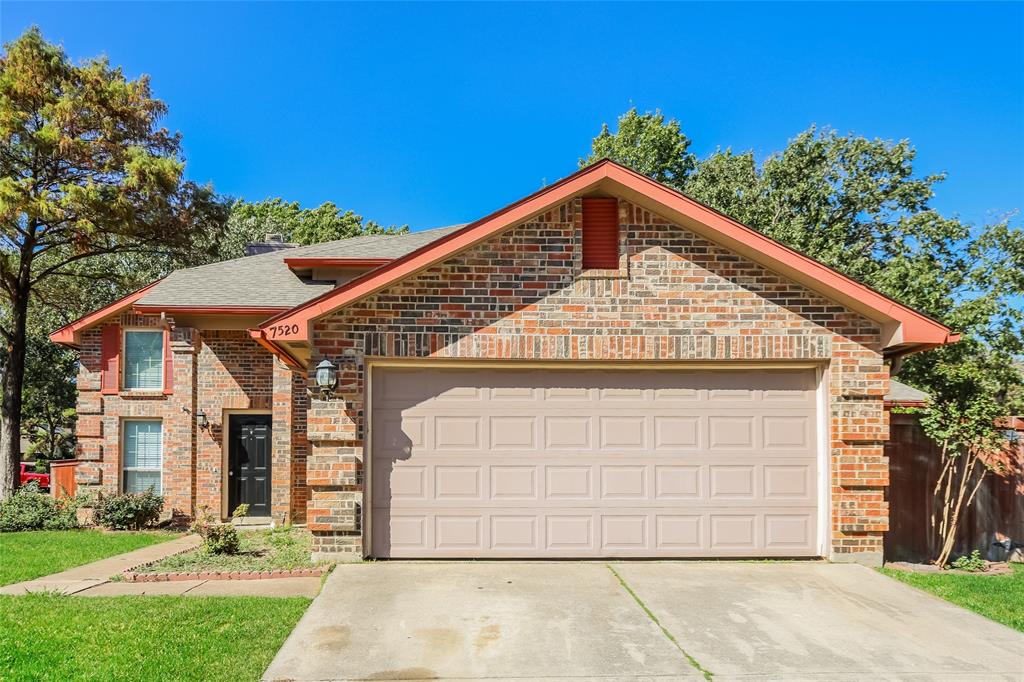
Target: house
{"x": 603, "y": 368}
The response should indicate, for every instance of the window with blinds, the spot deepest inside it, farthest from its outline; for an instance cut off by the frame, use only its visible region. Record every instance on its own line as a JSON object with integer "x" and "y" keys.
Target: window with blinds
{"x": 144, "y": 360}
{"x": 143, "y": 456}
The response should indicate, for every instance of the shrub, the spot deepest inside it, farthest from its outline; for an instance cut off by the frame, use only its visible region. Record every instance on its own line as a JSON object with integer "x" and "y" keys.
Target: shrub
{"x": 218, "y": 538}
{"x": 973, "y": 563}
{"x": 221, "y": 538}
{"x": 129, "y": 511}
{"x": 29, "y": 509}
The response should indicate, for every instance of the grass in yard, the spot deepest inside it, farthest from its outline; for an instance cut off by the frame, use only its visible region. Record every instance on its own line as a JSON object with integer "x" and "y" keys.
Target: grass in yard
{"x": 259, "y": 550}
{"x": 50, "y": 637}
{"x": 999, "y": 597}
{"x": 31, "y": 554}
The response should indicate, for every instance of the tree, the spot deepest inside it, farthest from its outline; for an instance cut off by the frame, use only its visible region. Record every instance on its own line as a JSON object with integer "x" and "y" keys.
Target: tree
{"x": 647, "y": 144}
{"x": 252, "y": 221}
{"x": 858, "y": 205}
{"x": 49, "y": 416}
{"x": 85, "y": 171}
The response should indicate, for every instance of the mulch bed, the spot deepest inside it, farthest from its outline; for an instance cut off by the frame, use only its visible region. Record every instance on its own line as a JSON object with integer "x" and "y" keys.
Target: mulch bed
{"x": 143, "y": 573}
{"x": 994, "y": 568}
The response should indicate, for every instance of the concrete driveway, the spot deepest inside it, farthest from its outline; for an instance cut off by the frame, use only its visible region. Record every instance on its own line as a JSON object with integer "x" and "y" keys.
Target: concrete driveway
{"x": 637, "y": 621}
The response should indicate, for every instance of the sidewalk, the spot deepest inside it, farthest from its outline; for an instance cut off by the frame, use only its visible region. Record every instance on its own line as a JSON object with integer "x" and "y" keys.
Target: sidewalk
{"x": 93, "y": 580}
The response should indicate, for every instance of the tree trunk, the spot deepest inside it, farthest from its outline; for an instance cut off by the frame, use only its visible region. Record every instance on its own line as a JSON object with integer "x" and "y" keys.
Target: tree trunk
{"x": 10, "y": 407}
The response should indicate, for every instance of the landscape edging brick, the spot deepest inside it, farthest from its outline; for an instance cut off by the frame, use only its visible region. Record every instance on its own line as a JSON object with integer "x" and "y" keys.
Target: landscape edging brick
{"x": 134, "y": 577}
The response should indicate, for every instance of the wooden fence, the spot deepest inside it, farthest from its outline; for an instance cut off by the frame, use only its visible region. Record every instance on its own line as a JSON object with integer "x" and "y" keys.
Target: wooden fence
{"x": 62, "y": 478}
{"x": 996, "y": 513}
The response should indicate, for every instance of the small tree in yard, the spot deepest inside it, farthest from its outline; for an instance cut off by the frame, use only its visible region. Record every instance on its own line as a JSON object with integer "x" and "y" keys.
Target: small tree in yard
{"x": 85, "y": 172}
{"x": 963, "y": 421}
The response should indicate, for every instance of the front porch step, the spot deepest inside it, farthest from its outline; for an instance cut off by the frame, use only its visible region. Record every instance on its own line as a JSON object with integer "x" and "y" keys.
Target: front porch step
{"x": 254, "y": 522}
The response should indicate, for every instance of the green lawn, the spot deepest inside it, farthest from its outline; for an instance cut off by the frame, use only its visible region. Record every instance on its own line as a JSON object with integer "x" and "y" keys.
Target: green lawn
{"x": 1000, "y": 597}
{"x": 37, "y": 553}
{"x": 48, "y": 637}
{"x": 258, "y": 550}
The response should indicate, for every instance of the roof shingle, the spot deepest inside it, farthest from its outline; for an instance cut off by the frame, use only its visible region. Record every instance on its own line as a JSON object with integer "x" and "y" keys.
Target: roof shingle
{"x": 266, "y": 281}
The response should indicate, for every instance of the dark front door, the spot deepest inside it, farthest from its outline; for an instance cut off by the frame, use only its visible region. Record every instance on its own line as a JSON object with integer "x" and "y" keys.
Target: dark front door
{"x": 249, "y": 463}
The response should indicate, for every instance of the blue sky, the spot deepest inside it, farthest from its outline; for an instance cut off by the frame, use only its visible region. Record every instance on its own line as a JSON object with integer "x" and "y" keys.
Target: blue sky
{"x": 431, "y": 114}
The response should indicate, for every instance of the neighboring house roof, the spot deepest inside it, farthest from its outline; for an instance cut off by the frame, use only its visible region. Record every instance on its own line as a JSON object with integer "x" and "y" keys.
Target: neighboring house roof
{"x": 904, "y": 329}
{"x": 901, "y": 394}
{"x": 266, "y": 280}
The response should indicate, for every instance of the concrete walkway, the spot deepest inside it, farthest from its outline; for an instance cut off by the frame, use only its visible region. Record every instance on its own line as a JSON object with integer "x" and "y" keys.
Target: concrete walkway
{"x": 636, "y": 621}
{"x": 93, "y": 580}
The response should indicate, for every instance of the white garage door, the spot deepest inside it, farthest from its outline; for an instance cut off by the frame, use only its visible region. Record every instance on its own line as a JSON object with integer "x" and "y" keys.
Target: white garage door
{"x": 593, "y": 463}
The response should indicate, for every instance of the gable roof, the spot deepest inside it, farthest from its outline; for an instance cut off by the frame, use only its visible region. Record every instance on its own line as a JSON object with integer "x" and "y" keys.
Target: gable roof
{"x": 904, "y": 329}
{"x": 262, "y": 284}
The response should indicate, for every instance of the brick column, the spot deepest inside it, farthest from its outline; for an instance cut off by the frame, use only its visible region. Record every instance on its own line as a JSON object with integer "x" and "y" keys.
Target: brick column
{"x": 281, "y": 445}
{"x": 334, "y": 472}
{"x": 860, "y": 469}
{"x": 179, "y": 427}
{"x": 89, "y": 442}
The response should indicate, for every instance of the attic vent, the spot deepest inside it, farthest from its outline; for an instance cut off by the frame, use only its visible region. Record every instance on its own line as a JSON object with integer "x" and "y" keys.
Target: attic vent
{"x": 601, "y": 233}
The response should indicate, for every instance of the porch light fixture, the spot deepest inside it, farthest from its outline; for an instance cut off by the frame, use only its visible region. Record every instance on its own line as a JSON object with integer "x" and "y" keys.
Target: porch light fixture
{"x": 326, "y": 378}
{"x": 201, "y": 421}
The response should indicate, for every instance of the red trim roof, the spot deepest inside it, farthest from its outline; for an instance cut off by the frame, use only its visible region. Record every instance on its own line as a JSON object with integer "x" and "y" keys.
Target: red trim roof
{"x": 917, "y": 329}
{"x": 312, "y": 262}
{"x": 68, "y": 334}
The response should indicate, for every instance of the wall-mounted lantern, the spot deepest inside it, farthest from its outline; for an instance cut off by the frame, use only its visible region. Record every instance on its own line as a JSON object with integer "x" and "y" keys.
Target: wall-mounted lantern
{"x": 201, "y": 421}
{"x": 326, "y": 378}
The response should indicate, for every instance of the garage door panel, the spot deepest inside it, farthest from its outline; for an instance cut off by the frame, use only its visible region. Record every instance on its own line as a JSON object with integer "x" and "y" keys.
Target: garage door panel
{"x": 568, "y": 432}
{"x": 477, "y": 463}
{"x": 675, "y": 432}
{"x": 568, "y": 482}
{"x": 515, "y": 533}
{"x": 732, "y": 481}
{"x": 512, "y": 432}
{"x": 458, "y": 482}
{"x": 786, "y": 432}
{"x": 570, "y": 532}
{"x": 735, "y": 531}
{"x": 731, "y": 432}
{"x": 624, "y": 482}
{"x": 514, "y": 483}
{"x": 679, "y": 482}
{"x": 459, "y": 532}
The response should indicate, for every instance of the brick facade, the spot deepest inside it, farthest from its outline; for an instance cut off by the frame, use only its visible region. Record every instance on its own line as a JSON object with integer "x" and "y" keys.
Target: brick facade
{"x": 524, "y": 295}
{"x": 215, "y": 372}
{"x": 521, "y": 295}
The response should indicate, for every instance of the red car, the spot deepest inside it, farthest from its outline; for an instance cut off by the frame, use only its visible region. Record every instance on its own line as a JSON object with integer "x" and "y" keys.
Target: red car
{"x": 28, "y": 475}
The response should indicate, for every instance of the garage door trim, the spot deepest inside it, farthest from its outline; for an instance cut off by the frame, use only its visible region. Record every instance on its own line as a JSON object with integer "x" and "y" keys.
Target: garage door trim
{"x": 822, "y": 451}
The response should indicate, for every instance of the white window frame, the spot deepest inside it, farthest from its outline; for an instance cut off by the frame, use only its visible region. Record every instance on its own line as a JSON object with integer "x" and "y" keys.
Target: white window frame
{"x": 124, "y": 451}
{"x": 124, "y": 357}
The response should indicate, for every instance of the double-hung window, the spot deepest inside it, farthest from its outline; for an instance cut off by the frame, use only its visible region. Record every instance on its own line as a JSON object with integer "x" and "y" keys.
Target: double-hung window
{"x": 143, "y": 456}
{"x": 144, "y": 360}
